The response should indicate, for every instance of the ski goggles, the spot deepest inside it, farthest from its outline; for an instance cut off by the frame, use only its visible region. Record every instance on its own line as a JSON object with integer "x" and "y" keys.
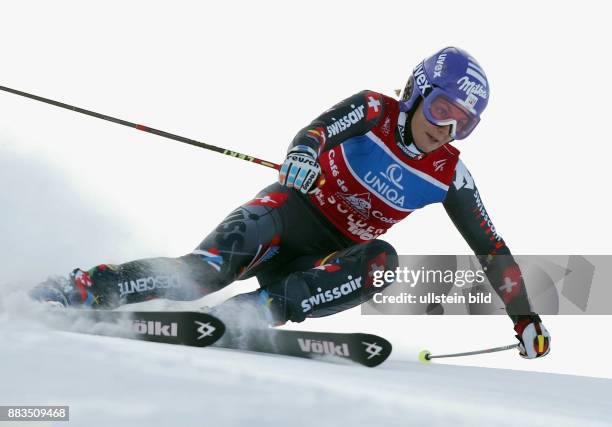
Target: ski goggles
{"x": 441, "y": 110}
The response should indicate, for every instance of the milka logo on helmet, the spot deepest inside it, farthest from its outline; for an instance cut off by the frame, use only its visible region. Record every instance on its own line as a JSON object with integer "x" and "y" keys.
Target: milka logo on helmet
{"x": 421, "y": 79}
{"x": 347, "y": 121}
{"x": 439, "y": 65}
{"x": 331, "y": 294}
{"x": 471, "y": 88}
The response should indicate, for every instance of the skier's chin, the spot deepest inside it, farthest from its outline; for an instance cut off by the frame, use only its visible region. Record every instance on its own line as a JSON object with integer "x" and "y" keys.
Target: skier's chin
{"x": 426, "y": 144}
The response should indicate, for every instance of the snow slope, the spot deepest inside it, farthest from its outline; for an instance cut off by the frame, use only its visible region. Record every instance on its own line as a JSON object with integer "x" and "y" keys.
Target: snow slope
{"x": 109, "y": 381}
{"x": 78, "y": 191}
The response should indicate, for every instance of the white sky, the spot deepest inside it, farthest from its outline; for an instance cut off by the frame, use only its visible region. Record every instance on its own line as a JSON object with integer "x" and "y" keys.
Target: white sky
{"x": 247, "y": 76}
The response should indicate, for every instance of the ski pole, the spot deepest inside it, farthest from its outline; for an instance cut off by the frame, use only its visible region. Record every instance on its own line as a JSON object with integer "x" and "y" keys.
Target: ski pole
{"x": 425, "y": 356}
{"x": 143, "y": 128}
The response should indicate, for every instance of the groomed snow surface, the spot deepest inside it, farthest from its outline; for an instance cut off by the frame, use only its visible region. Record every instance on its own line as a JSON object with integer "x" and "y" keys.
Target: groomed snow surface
{"x": 111, "y": 381}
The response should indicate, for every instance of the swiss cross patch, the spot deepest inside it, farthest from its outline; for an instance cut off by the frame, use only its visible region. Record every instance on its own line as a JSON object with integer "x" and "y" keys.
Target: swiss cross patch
{"x": 328, "y": 267}
{"x": 374, "y": 265}
{"x": 271, "y": 200}
{"x": 512, "y": 282}
{"x": 374, "y": 104}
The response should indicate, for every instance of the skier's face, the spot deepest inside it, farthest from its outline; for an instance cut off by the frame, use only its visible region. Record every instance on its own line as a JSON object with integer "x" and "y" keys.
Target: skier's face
{"x": 427, "y": 136}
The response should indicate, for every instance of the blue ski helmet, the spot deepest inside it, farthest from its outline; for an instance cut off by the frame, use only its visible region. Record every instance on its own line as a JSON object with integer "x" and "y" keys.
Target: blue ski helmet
{"x": 454, "y": 89}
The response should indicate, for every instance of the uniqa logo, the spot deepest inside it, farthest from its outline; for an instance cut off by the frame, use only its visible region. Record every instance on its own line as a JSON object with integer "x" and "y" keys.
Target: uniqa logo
{"x": 392, "y": 175}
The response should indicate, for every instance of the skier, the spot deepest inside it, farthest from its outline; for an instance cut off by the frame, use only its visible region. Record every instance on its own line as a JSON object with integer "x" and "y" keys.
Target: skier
{"x": 311, "y": 239}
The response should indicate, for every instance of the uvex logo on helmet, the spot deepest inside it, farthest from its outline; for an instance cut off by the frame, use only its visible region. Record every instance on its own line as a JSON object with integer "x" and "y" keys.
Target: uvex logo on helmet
{"x": 439, "y": 65}
{"x": 421, "y": 79}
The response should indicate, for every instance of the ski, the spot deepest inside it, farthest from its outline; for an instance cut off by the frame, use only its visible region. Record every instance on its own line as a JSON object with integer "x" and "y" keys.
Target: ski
{"x": 365, "y": 349}
{"x": 198, "y": 329}
{"x": 194, "y": 329}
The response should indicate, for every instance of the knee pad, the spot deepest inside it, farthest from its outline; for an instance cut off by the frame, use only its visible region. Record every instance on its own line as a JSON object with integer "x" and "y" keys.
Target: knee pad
{"x": 343, "y": 281}
{"x": 375, "y": 256}
{"x": 285, "y": 297}
{"x": 381, "y": 246}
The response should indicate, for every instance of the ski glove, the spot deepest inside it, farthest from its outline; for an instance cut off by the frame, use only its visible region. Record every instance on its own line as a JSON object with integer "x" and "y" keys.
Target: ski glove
{"x": 533, "y": 337}
{"x": 300, "y": 169}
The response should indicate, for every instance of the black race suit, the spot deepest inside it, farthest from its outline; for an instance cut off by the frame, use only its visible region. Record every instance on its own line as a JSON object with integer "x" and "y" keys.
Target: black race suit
{"x": 315, "y": 254}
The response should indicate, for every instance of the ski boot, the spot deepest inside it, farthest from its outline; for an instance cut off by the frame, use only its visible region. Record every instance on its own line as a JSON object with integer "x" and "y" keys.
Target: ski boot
{"x": 247, "y": 319}
{"x": 62, "y": 292}
{"x": 253, "y": 310}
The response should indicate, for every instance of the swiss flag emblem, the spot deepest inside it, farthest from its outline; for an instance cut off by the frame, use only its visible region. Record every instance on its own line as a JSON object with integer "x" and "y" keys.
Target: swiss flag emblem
{"x": 374, "y": 105}
{"x": 271, "y": 200}
{"x": 328, "y": 267}
{"x": 375, "y": 264}
{"x": 512, "y": 283}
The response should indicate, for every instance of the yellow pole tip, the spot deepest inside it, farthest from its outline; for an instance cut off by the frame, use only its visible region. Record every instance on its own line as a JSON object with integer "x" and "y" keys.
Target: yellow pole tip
{"x": 424, "y": 356}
